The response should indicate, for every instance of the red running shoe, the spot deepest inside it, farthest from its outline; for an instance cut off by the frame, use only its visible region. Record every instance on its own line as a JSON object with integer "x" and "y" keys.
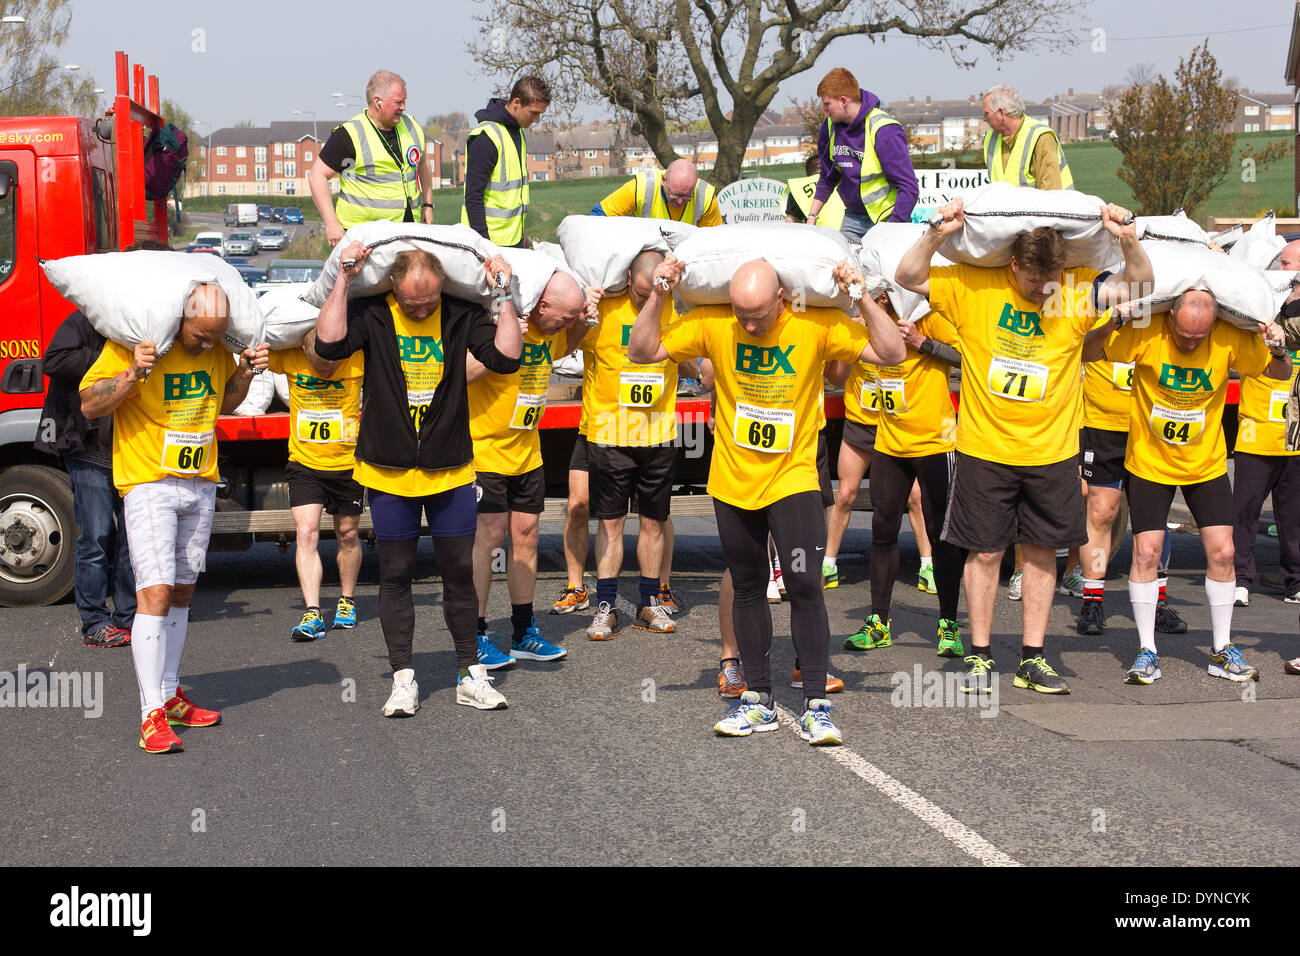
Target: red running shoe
{"x": 156, "y": 735}
{"x": 181, "y": 710}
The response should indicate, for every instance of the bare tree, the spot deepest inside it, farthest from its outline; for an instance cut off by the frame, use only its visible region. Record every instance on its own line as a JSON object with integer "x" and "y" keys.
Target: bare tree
{"x": 32, "y": 79}
{"x": 660, "y": 62}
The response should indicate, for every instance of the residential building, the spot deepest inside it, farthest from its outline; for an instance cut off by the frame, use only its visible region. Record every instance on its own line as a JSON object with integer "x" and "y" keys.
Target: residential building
{"x": 540, "y": 159}
{"x": 1263, "y": 112}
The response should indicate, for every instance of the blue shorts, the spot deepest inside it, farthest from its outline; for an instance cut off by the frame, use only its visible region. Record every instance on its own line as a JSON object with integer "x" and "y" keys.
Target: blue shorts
{"x": 451, "y": 514}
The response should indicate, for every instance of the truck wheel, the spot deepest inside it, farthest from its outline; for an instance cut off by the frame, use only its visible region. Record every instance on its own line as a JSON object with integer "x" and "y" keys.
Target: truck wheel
{"x": 38, "y": 536}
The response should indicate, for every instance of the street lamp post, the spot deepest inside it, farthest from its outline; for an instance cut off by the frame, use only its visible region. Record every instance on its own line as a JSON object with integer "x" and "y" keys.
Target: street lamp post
{"x": 312, "y": 114}
{"x": 207, "y": 158}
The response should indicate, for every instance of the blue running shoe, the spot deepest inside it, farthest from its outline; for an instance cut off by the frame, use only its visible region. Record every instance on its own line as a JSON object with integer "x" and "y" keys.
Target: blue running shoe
{"x": 746, "y": 716}
{"x": 1145, "y": 670}
{"x": 345, "y": 615}
{"x": 815, "y": 725}
{"x": 534, "y": 647}
{"x": 312, "y": 628}
{"x": 490, "y": 657}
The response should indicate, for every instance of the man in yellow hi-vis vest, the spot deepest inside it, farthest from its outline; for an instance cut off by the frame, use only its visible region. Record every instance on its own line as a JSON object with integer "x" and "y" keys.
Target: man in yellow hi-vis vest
{"x": 379, "y": 157}
{"x": 1020, "y": 150}
{"x": 864, "y": 157}
{"x": 496, "y": 163}
{"x": 676, "y": 193}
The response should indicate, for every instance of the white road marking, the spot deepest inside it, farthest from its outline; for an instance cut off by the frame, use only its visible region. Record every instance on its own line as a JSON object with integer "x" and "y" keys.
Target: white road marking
{"x": 952, "y": 829}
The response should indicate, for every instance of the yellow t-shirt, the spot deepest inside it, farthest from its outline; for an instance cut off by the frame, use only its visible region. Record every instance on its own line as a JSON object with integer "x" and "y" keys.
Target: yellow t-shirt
{"x": 1107, "y": 388}
{"x": 1176, "y": 415}
{"x": 588, "y": 383}
{"x": 165, "y": 428}
{"x": 1261, "y": 416}
{"x": 420, "y": 349}
{"x": 504, "y": 409}
{"x": 916, "y": 413}
{"x": 1021, "y": 378}
{"x": 627, "y": 405}
{"x": 860, "y": 398}
{"x": 622, "y": 202}
{"x": 768, "y": 391}
{"x": 323, "y": 412}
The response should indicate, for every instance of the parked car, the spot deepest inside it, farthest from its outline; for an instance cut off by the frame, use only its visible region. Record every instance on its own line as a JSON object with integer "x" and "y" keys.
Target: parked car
{"x": 263, "y": 213}
{"x": 240, "y": 244}
{"x": 207, "y": 242}
{"x": 277, "y": 214}
{"x": 293, "y": 270}
{"x": 293, "y": 214}
{"x": 251, "y": 274}
{"x": 241, "y": 214}
{"x": 271, "y": 237}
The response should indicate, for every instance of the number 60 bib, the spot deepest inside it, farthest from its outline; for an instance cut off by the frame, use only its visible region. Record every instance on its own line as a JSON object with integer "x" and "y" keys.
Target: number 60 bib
{"x": 764, "y": 429}
{"x": 186, "y": 453}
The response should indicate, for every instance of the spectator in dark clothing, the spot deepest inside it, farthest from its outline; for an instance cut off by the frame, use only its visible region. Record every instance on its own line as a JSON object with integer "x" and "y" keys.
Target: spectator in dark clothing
{"x": 495, "y": 206}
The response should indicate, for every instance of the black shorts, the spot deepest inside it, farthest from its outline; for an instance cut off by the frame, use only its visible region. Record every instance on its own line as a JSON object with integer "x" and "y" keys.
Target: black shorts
{"x": 617, "y": 473}
{"x": 578, "y": 460}
{"x": 824, "y": 470}
{"x": 1210, "y": 503}
{"x": 990, "y": 505}
{"x": 524, "y": 493}
{"x": 1101, "y": 456}
{"x": 860, "y": 436}
{"x": 336, "y": 490}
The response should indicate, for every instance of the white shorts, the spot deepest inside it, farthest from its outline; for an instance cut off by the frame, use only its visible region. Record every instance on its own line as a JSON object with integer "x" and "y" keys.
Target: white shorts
{"x": 168, "y": 523}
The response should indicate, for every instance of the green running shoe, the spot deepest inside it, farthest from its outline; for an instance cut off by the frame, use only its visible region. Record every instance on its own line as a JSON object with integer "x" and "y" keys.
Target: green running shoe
{"x": 925, "y": 580}
{"x": 830, "y": 575}
{"x": 872, "y": 634}
{"x": 950, "y": 639}
{"x": 1036, "y": 674}
{"x": 978, "y": 675}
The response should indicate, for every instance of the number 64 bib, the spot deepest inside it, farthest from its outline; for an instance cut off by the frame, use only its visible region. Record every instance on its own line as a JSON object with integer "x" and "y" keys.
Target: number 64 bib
{"x": 764, "y": 429}
{"x": 1177, "y": 426}
{"x": 186, "y": 453}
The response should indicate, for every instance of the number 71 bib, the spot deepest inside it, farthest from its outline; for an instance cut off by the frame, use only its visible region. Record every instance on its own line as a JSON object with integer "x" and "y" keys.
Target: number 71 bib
{"x": 1017, "y": 379}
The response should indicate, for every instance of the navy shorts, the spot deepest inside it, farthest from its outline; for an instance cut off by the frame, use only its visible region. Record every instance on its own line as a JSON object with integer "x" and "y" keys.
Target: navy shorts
{"x": 451, "y": 514}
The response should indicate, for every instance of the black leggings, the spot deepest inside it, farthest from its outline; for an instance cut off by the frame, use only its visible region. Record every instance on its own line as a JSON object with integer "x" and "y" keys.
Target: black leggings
{"x": 459, "y": 600}
{"x": 891, "y": 483}
{"x": 798, "y": 526}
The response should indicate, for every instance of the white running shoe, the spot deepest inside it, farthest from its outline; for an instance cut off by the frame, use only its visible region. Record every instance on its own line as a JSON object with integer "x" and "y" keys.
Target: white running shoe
{"x": 404, "y": 701}
{"x": 476, "y": 690}
{"x": 1013, "y": 586}
{"x": 775, "y": 588}
{"x": 1241, "y": 598}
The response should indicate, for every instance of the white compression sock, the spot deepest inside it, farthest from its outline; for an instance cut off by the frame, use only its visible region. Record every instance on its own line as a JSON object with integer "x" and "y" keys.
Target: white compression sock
{"x": 1144, "y": 597}
{"x": 831, "y": 561}
{"x": 927, "y": 563}
{"x": 177, "y": 620}
{"x": 147, "y": 641}
{"x": 1220, "y": 595}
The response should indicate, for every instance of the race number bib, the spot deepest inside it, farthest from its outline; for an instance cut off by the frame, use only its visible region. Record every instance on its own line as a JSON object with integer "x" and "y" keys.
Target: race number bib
{"x": 1122, "y": 376}
{"x": 186, "y": 453}
{"x": 1017, "y": 379}
{"x": 417, "y": 405}
{"x": 870, "y": 397}
{"x": 640, "y": 389}
{"x": 889, "y": 392}
{"x": 1277, "y": 402}
{"x": 528, "y": 411}
{"x": 764, "y": 429}
{"x": 1177, "y": 427}
{"x": 320, "y": 426}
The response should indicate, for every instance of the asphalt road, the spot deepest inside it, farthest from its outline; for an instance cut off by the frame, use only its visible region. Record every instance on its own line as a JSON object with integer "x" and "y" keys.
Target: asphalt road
{"x": 608, "y": 757}
{"x": 215, "y": 222}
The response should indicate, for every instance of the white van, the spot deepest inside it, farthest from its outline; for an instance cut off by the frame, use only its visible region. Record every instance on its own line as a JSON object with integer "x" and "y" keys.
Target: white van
{"x": 241, "y": 214}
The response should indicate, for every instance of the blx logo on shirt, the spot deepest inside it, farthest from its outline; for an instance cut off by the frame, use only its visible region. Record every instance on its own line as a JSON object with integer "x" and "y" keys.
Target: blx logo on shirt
{"x": 1021, "y": 323}
{"x": 311, "y": 383}
{"x": 763, "y": 359}
{"x": 419, "y": 348}
{"x": 181, "y": 385}
{"x": 536, "y": 354}
{"x": 1185, "y": 379}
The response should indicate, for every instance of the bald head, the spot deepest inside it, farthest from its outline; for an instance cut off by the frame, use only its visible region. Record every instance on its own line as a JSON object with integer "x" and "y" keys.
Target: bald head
{"x": 207, "y": 313}
{"x": 560, "y": 305}
{"x": 1290, "y": 257}
{"x": 417, "y": 283}
{"x": 679, "y": 182}
{"x": 756, "y": 296}
{"x": 1191, "y": 319}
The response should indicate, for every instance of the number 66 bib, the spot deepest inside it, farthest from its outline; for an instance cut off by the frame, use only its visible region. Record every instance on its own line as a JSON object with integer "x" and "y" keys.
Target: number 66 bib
{"x": 1017, "y": 379}
{"x": 764, "y": 429}
{"x": 185, "y": 453}
{"x": 640, "y": 389}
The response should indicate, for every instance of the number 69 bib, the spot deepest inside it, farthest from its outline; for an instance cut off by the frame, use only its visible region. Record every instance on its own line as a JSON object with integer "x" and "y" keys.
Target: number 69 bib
{"x": 186, "y": 453}
{"x": 1177, "y": 426}
{"x": 320, "y": 426}
{"x": 1017, "y": 379}
{"x": 764, "y": 429}
{"x": 528, "y": 411}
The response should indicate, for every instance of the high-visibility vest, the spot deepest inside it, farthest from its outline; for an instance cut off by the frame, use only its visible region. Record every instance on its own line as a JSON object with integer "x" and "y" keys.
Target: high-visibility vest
{"x": 877, "y": 194}
{"x": 376, "y": 186}
{"x": 1016, "y": 168}
{"x": 650, "y": 202}
{"x": 803, "y": 189}
{"x": 505, "y": 200}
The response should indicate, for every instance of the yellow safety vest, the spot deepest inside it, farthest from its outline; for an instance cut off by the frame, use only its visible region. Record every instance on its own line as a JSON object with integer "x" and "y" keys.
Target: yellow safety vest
{"x": 505, "y": 201}
{"x": 376, "y": 186}
{"x": 1016, "y": 169}
{"x": 803, "y": 189}
{"x": 650, "y": 202}
{"x": 877, "y": 194}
